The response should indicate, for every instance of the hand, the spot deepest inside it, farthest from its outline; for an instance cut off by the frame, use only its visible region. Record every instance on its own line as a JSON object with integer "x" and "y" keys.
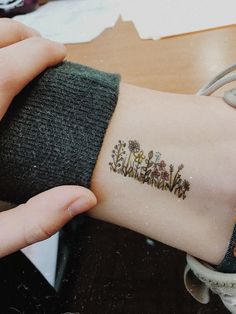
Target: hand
{"x": 24, "y": 55}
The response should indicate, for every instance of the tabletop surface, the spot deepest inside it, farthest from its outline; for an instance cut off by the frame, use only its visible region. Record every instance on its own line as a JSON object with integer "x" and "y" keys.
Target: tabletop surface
{"x": 178, "y": 64}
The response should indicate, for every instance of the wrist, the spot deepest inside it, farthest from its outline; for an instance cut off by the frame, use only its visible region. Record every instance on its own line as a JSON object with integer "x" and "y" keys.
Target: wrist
{"x": 185, "y": 129}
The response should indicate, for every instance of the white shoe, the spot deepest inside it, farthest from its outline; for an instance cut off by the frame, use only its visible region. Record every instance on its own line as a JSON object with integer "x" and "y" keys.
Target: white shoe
{"x": 200, "y": 277}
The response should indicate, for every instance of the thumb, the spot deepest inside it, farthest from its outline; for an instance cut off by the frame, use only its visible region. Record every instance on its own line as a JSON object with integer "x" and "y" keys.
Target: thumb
{"x": 42, "y": 216}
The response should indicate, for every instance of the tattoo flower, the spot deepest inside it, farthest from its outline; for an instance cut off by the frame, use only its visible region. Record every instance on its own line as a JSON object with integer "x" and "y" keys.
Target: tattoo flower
{"x": 156, "y": 173}
{"x": 165, "y": 176}
{"x": 134, "y": 146}
{"x": 139, "y": 157}
{"x": 162, "y": 165}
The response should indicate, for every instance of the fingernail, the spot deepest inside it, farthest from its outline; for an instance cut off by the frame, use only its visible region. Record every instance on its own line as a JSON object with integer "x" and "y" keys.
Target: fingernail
{"x": 80, "y": 205}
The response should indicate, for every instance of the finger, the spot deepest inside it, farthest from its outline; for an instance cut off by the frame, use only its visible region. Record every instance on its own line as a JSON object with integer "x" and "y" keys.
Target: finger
{"x": 42, "y": 216}
{"x": 12, "y": 31}
{"x": 23, "y": 61}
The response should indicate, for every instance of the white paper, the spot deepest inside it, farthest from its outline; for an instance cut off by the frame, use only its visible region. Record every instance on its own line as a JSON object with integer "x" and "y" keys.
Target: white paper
{"x": 44, "y": 256}
{"x": 160, "y": 18}
{"x": 72, "y": 21}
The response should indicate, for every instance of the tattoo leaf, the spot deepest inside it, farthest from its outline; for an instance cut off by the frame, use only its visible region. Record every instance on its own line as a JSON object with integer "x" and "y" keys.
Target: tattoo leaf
{"x": 150, "y": 154}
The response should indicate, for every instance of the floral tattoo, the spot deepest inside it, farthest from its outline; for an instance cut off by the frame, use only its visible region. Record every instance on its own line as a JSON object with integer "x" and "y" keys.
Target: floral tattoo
{"x": 129, "y": 160}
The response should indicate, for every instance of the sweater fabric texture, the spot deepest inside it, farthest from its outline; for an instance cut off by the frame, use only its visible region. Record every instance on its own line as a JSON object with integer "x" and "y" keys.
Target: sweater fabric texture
{"x": 53, "y": 131}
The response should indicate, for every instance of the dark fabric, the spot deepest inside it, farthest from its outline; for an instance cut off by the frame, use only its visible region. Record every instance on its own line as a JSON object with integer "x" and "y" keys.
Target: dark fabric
{"x": 117, "y": 271}
{"x": 110, "y": 270}
{"x": 53, "y": 131}
{"x": 228, "y": 264}
{"x": 24, "y": 289}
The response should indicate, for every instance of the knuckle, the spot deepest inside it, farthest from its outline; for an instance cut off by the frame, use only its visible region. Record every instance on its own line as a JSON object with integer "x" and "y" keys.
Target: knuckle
{"x": 36, "y": 234}
{"x": 36, "y": 231}
{"x": 49, "y": 49}
{"x": 18, "y": 27}
{"x": 44, "y": 44}
{"x": 7, "y": 21}
{"x": 43, "y": 232}
{"x": 7, "y": 74}
{"x": 13, "y": 26}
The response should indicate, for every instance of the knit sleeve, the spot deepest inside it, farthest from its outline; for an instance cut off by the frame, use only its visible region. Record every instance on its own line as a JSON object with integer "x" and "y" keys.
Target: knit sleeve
{"x": 54, "y": 129}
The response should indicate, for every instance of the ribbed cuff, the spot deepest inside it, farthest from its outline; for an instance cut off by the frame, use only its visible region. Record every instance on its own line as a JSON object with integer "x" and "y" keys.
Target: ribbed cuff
{"x": 54, "y": 129}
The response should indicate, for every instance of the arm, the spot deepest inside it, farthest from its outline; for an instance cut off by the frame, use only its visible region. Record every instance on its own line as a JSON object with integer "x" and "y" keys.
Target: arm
{"x": 61, "y": 119}
{"x": 198, "y": 132}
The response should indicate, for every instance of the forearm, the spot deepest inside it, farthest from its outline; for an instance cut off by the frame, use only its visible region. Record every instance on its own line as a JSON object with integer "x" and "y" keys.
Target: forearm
{"x": 185, "y": 130}
{"x": 53, "y": 135}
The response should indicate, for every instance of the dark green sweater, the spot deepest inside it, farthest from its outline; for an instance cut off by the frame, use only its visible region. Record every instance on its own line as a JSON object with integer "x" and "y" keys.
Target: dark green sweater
{"x": 54, "y": 129}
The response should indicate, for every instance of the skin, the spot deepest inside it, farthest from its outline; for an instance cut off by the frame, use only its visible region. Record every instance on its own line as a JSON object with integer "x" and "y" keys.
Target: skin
{"x": 196, "y": 131}
{"x": 24, "y": 55}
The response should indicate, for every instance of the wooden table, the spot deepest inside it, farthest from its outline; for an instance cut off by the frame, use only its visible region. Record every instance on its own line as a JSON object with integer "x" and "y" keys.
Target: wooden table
{"x": 113, "y": 270}
{"x": 178, "y": 64}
